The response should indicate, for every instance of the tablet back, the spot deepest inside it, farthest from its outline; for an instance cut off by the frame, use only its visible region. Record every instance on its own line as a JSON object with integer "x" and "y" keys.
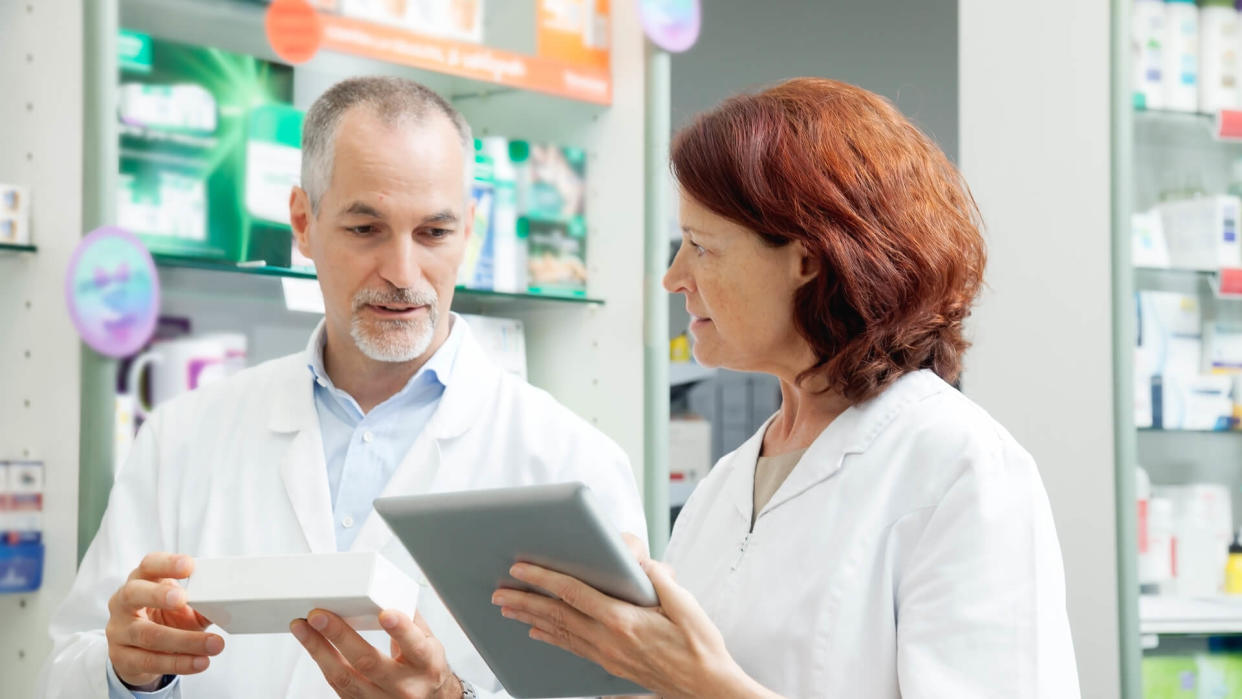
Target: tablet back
{"x": 465, "y": 542}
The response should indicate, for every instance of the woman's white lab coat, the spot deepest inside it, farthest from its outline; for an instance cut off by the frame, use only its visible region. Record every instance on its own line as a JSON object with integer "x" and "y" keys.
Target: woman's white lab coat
{"x": 237, "y": 468}
{"x": 911, "y": 553}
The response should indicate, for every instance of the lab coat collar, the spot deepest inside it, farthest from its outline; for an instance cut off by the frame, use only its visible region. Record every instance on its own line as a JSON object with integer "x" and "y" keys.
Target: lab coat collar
{"x": 304, "y": 471}
{"x": 294, "y": 405}
{"x": 853, "y": 432}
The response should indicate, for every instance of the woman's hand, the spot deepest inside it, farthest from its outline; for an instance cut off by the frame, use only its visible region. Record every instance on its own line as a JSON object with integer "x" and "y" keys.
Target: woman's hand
{"x": 673, "y": 650}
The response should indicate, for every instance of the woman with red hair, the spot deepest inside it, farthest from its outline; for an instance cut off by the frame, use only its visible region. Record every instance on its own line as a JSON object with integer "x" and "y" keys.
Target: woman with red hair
{"x": 880, "y": 536}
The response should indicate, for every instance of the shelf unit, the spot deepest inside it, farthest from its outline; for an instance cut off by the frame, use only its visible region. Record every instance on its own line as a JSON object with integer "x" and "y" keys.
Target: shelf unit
{"x": 1161, "y": 155}
{"x": 496, "y": 298}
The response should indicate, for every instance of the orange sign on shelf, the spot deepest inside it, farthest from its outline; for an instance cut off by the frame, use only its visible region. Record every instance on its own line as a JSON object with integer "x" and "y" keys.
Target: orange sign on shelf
{"x": 294, "y": 30}
{"x": 574, "y": 31}
{"x": 589, "y": 83}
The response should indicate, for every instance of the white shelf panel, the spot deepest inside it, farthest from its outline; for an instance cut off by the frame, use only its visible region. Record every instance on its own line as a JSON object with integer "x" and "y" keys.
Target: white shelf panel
{"x": 1190, "y": 616}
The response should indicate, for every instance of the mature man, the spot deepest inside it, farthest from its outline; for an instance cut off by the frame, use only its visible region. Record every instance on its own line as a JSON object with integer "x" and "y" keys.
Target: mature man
{"x": 392, "y": 396}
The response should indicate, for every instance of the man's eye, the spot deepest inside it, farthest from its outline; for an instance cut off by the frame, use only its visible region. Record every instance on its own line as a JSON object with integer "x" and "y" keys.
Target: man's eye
{"x": 440, "y": 232}
{"x": 361, "y": 230}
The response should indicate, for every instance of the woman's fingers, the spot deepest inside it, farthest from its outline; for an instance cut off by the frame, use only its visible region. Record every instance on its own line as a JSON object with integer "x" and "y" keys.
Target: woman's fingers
{"x": 675, "y": 600}
{"x": 637, "y": 546}
{"x": 571, "y": 591}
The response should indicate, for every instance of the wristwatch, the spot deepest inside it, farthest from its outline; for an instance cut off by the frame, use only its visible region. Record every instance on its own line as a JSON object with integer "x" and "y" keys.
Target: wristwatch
{"x": 467, "y": 689}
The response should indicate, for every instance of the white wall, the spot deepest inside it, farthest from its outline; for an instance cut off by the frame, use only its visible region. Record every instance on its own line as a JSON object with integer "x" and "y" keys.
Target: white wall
{"x": 906, "y": 51}
{"x": 1035, "y": 148}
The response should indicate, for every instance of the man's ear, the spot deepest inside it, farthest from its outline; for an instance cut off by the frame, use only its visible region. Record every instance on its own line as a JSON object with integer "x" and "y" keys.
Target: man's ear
{"x": 300, "y": 215}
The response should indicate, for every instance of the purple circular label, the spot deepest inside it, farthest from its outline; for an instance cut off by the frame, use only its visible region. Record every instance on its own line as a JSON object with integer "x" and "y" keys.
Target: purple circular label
{"x": 113, "y": 292}
{"x": 673, "y": 25}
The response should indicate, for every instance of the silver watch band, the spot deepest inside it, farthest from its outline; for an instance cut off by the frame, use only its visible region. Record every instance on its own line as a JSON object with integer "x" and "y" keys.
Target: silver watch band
{"x": 467, "y": 689}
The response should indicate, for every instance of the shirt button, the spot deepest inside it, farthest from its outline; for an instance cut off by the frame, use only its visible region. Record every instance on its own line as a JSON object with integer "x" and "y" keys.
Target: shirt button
{"x": 347, "y": 522}
{"x": 368, "y": 437}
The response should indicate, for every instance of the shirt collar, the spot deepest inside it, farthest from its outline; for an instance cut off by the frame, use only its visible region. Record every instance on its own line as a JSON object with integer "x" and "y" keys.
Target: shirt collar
{"x": 438, "y": 368}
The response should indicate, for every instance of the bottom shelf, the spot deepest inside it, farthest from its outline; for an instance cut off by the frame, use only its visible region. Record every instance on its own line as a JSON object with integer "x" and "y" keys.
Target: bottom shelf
{"x": 1160, "y": 614}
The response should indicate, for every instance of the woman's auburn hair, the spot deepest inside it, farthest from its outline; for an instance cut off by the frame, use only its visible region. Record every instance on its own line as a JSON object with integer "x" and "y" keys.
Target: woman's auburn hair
{"x": 893, "y": 226}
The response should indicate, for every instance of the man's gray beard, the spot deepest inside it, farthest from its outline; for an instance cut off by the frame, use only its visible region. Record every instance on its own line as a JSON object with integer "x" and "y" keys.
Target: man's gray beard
{"x": 394, "y": 340}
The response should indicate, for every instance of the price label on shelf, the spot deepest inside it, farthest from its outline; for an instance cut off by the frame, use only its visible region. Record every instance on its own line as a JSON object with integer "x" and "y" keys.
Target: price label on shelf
{"x": 1229, "y": 282}
{"x": 302, "y": 295}
{"x": 1229, "y": 124}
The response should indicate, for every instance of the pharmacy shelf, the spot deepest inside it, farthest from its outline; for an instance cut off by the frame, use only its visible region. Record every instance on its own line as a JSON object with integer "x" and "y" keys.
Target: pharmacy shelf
{"x": 681, "y": 373}
{"x": 1195, "y": 282}
{"x": 255, "y": 268}
{"x": 1172, "y": 115}
{"x": 1211, "y": 616}
{"x": 1168, "y": 118}
{"x": 1153, "y": 274}
{"x": 238, "y": 26}
{"x": 11, "y": 247}
{"x": 1183, "y": 281}
{"x": 1161, "y": 430}
{"x": 261, "y": 270}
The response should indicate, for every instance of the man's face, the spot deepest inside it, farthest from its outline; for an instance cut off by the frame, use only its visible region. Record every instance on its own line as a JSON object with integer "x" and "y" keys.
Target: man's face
{"x": 389, "y": 234}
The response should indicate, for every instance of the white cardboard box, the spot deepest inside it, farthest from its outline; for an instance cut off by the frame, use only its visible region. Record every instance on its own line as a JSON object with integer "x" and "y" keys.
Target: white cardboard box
{"x": 263, "y": 594}
{"x": 14, "y": 215}
{"x": 689, "y": 456}
{"x": 1202, "y": 233}
{"x": 503, "y": 339}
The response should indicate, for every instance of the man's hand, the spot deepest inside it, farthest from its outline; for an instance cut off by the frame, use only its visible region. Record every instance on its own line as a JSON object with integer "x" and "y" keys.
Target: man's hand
{"x": 416, "y": 669}
{"x": 151, "y": 630}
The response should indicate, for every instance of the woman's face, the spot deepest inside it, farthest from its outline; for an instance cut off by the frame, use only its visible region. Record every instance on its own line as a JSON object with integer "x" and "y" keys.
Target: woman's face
{"x": 739, "y": 292}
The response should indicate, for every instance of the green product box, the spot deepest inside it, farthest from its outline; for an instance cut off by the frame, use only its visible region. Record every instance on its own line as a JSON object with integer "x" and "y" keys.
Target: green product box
{"x": 556, "y": 255}
{"x": 550, "y": 188}
{"x": 206, "y": 137}
{"x": 273, "y": 168}
{"x": 1220, "y": 675}
{"x": 1170, "y": 677}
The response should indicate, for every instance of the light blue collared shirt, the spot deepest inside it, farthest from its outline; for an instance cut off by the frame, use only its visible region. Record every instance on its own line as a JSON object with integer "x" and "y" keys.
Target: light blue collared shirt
{"x": 361, "y": 450}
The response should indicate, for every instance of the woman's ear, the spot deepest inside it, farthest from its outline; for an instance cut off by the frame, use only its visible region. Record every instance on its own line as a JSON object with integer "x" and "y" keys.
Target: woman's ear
{"x": 808, "y": 265}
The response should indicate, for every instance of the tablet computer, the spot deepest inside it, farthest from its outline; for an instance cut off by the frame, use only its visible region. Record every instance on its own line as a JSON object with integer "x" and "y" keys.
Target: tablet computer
{"x": 465, "y": 543}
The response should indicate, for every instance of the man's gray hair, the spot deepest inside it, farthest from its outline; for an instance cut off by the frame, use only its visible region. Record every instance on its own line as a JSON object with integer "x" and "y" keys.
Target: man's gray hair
{"x": 394, "y": 100}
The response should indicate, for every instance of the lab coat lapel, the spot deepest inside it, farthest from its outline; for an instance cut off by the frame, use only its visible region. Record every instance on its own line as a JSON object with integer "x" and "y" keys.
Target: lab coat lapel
{"x": 821, "y": 461}
{"x": 740, "y": 489}
{"x": 853, "y": 432}
{"x": 302, "y": 467}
